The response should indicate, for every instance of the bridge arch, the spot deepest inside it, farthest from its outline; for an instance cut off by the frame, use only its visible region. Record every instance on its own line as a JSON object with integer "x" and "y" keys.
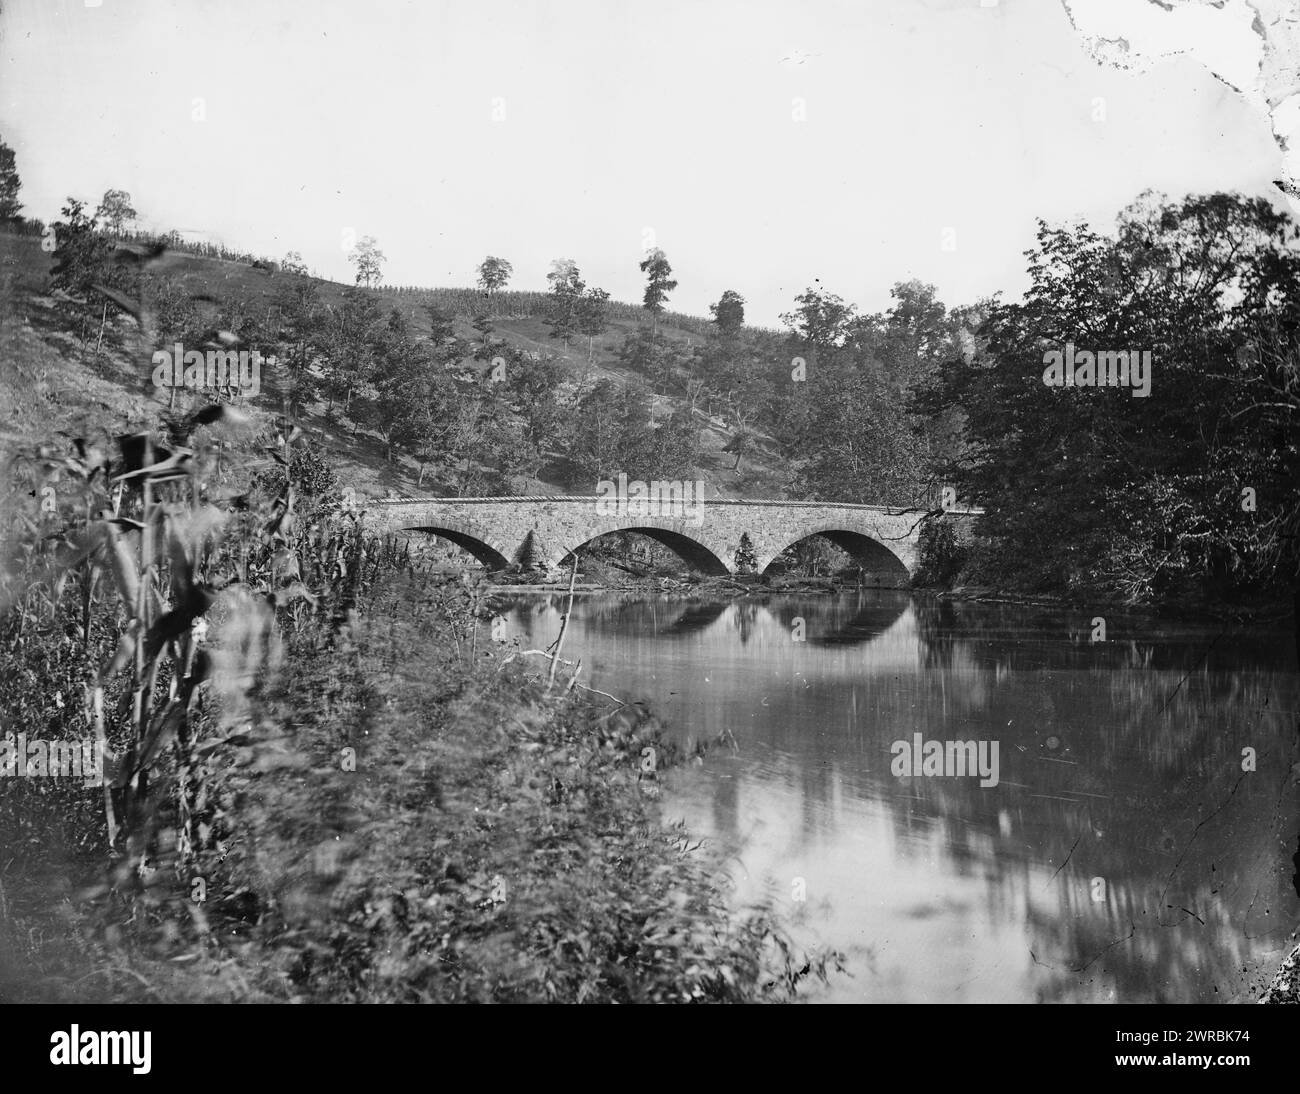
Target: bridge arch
{"x": 864, "y": 548}
{"x": 477, "y": 542}
{"x": 689, "y": 549}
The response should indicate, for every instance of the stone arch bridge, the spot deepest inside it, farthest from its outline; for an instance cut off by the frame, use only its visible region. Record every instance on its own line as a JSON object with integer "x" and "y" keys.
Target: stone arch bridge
{"x": 542, "y": 531}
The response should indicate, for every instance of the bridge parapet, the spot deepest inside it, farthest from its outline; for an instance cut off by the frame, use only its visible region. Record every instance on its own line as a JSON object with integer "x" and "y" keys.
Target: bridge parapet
{"x": 708, "y": 502}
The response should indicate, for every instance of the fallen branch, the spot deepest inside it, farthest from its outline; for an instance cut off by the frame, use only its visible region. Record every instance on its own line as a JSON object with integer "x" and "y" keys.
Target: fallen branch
{"x": 564, "y": 626}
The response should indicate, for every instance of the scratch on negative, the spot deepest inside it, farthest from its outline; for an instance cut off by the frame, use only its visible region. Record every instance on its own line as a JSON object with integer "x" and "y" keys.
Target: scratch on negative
{"x": 1065, "y": 863}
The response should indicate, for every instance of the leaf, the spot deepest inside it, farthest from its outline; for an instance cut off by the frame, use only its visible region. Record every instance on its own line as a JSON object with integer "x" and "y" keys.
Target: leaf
{"x": 126, "y": 645}
{"x": 290, "y": 593}
{"x": 177, "y": 621}
{"x": 129, "y": 256}
{"x": 132, "y": 307}
{"x": 284, "y": 565}
{"x": 182, "y": 571}
{"x": 135, "y": 448}
{"x": 175, "y": 466}
{"x": 122, "y": 563}
{"x": 233, "y": 740}
{"x": 160, "y": 732}
{"x": 216, "y": 412}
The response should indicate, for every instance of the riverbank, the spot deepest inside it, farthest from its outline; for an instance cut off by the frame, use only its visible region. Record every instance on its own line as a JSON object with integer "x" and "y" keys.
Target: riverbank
{"x": 408, "y": 817}
{"x": 1257, "y": 609}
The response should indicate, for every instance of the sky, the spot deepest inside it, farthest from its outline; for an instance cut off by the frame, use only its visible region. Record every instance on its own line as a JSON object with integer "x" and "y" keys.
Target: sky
{"x": 762, "y": 145}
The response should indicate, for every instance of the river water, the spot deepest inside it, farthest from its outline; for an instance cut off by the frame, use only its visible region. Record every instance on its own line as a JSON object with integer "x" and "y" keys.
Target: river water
{"x": 1125, "y": 854}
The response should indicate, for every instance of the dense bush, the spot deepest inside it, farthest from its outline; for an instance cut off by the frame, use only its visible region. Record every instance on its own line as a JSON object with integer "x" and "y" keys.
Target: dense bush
{"x": 1181, "y": 482}
{"x": 357, "y": 797}
{"x": 942, "y": 556}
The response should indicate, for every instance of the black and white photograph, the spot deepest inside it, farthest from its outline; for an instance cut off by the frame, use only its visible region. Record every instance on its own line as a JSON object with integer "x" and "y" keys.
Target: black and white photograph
{"x": 577, "y": 501}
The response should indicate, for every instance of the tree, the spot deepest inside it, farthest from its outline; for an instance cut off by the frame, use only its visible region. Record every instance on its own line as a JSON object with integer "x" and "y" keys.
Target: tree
{"x": 746, "y": 556}
{"x": 243, "y": 316}
{"x": 695, "y": 391}
{"x": 115, "y": 211}
{"x": 609, "y": 434}
{"x": 369, "y": 260}
{"x": 729, "y": 312}
{"x": 401, "y": 390}
{"x": 82, "y": 261}
{"x": 466, "y": 437}
{"x": 740, "y": 446}
{"x": 916, "y": 330}
{"x": 293, "y": 264}
{"x": 859, "y": 447}
{"x": 652, "y": 355}
{"x": 658, "y": 283}
{"x": 672, "y": 448}
{"x": 566, "y": 294}
{"x": 482, "y": 324}
{"x": 10, "y": 183}
{"x": 460, "y": 418}
{"x": 300, "y": 335}
{"x": 1090, "y": 489}
{"x": 424, "y": 425}
{"x": 591, "y": 316}
{"x": 494, "y": 273}
{"x": 530, "y": 388}
{"x": 442, "y": 326}
{"x": 348, "y": 343}
{"x": 176, "y": 316}
{"x": 562, "y": 269}
{"x": 820, "y": 323}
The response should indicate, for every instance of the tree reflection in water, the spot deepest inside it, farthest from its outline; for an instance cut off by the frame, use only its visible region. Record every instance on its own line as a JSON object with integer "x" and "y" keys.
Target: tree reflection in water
{"x": 1124, "y": 855}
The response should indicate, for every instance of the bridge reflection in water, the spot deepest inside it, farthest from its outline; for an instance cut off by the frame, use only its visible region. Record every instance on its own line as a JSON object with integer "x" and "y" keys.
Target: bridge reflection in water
{"x": 1124, "y": 855}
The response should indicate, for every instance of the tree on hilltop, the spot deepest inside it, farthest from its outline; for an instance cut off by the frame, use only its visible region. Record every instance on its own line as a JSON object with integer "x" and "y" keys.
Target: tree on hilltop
{"x": 567, "y": 287}
{"x": 494, "y": 273}
{"x": 369, "y": 260}
{"x": 729, "y": 312}
{"x": 82, "y": 261}
{"x": 592, "y": 316}
{"x": 115, "y": 211}
{"x": 659, "y": 283}
{"x": 562, "y": 270}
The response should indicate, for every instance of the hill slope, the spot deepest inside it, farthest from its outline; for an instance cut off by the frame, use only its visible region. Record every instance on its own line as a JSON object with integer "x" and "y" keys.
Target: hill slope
{"x": 52, "y": 382}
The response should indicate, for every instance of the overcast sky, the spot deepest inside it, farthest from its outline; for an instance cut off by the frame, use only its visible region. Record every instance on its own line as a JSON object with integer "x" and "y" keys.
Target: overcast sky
{"x": 535, "y": 130}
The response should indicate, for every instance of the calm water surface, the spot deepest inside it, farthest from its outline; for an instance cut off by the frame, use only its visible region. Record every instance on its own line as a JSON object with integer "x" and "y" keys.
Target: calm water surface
{"x": 1124, "y": 855}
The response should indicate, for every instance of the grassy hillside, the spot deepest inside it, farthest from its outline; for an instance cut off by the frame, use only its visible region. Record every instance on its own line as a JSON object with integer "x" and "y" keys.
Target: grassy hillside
{"x": 53, "y": 382}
